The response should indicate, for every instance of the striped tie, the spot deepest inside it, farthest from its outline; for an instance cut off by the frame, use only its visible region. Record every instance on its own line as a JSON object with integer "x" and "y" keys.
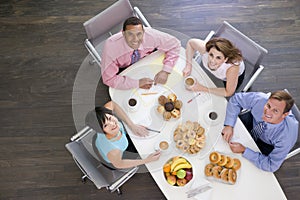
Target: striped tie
{"x": 258, "y": 130}
{"x": 135, "y": 56}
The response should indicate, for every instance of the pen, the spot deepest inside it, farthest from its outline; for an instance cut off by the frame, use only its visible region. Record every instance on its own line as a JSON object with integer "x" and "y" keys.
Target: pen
{"x": 149, "y": 129}
{"x": 189, "y": 101}
{"x": 149, "y": 93}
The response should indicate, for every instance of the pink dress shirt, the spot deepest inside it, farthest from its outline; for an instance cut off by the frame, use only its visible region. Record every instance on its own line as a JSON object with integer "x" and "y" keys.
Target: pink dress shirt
{"x": 117, "y": 54}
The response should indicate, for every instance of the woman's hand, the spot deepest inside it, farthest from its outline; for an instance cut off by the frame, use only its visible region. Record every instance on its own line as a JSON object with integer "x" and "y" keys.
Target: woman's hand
{"x": 198, "y": 88}
{"x": 153, "y": 156}
{"x": 227, "y": 133}
{"x": 187, "y": 71}
{"x": 139, "y": 130}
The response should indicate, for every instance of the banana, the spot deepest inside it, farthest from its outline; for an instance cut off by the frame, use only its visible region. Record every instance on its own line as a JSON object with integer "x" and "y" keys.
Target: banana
{"x": 177, "y": 162}
{"x": 182, "y": 166}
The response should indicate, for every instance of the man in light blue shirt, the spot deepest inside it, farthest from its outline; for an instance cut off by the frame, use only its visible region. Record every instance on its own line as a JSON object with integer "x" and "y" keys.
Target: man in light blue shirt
{"x": 275, "y": 129}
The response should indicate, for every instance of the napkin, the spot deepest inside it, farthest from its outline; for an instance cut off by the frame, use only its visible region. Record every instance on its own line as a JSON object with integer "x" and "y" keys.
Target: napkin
{"x": 201, "y": 190}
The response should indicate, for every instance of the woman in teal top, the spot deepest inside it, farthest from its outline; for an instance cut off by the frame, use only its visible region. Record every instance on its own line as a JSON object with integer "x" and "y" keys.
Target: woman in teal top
{"x": 113, "y": 141}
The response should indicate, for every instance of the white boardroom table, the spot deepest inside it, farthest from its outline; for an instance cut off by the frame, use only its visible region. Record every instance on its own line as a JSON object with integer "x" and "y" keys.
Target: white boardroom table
{"x": 252, "y": 183}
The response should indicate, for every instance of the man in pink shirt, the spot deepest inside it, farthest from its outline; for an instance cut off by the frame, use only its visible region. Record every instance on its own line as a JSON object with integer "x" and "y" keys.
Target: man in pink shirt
{"x": 118, "y": 49}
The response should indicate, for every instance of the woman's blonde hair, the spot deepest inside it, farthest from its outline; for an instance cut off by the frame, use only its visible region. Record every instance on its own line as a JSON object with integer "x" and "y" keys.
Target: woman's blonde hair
{"x": 233, "y": 54}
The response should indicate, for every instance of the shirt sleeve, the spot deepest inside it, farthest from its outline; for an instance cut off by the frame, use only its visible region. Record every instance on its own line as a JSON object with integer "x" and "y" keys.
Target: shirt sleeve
{"x": 110, "y": 68}
{"x": 269, "y": 163}
{"x": 168, "y": 44}
{"x": 236, "y": 103}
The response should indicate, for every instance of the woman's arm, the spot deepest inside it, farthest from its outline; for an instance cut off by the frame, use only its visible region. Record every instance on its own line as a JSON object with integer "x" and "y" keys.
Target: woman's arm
{"x": 136, "y": 129}
{"x": 192, "y": 46}
{"x": 115, "y": 157}
{"x": 232, "y": 76}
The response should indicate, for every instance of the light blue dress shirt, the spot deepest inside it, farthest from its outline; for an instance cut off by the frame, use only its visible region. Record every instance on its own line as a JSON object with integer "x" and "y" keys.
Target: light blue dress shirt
{"x": 104, "y": 145}
{"x": 282, "y": 136}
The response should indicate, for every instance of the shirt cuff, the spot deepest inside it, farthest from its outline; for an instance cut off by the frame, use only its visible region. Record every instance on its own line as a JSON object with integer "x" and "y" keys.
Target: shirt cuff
{"x": 167, "y": 69}
{"x": 247, "y": 153}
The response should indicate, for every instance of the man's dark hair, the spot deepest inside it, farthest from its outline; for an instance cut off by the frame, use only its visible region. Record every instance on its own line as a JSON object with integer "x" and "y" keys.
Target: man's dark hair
{"x": 132, "y": 21}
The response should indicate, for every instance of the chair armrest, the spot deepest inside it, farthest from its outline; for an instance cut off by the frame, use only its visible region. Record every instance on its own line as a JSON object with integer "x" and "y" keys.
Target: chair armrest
{"x": 253, "y": 78}
{"x": 209, "y": 36}
{"x": 91, "y": 49}
{"x": 141, "y": 16}
{"x": 295, "y": 152}
{"x": 80, "y": 134}
{"x": 113, "y": 187}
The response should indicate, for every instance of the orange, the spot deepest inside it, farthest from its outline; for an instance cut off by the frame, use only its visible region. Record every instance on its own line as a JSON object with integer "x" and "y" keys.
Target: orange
{"x": 167, "y": 168}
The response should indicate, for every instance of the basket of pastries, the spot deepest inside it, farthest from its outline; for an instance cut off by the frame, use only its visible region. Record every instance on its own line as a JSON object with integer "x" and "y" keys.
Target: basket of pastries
{"x": 222, "y": 167}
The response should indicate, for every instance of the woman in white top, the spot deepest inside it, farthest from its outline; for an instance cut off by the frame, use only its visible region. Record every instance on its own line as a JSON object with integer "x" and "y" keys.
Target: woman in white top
{"x": 222, "y": 59}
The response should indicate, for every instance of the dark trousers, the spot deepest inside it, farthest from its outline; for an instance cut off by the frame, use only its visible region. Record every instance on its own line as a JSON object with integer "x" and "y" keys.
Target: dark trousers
{"x": 247, "y": 120}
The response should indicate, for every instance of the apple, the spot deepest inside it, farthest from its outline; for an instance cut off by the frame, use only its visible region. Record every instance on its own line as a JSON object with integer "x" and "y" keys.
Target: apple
{"x": 181, "y": 181}
{"x": 171, "y": 179}
{"x": 189, "y": 175}
{"x": 181, "y": 173}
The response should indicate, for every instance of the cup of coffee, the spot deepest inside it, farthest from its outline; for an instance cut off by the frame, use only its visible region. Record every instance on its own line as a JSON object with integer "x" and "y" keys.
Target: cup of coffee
{"x": 189, "y": 82}
{"x": 162, "y": 146}
{"x": 132, "y": 104}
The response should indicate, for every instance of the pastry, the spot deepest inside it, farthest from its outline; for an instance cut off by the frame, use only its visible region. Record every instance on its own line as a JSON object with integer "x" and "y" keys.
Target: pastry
{"x": 216, "y": 170}
{"x": 224, "y": 174}
{"x": 237, "y": 164}
{"x": 172, "y": 97}
{"x": 178, "y": 104}
{"x": 167, "y": 116}
{"x": 161, "y": 109}
{"x": 175, "y": 113}
{"x": 229, "y": 163}
{"x": 232, "y": 176}
{"x": 162, "y": 100}
{"x": 208, "y": 170}
{"x": 223, "y": 160}
{"x": 214, "y": 157}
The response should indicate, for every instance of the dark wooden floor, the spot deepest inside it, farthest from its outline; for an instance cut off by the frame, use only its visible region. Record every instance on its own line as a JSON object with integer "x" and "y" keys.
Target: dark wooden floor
{"x": 42, "y": 49}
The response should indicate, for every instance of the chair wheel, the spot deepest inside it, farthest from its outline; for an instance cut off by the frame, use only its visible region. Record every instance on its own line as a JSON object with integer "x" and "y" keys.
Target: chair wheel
{"x": 119, "y": 192}
{"x": 83, "y": 180}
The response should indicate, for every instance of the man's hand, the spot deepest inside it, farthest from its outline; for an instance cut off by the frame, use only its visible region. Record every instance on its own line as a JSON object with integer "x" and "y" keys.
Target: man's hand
{"x": 227, "y": 133}
{"x": 145, "y": 83}
{"x": 161, "y": 77}
{"x": 236, "y": 147}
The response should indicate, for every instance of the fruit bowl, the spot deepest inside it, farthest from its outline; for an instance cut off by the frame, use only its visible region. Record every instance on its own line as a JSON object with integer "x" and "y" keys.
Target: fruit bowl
{"x": 178, "y": 171}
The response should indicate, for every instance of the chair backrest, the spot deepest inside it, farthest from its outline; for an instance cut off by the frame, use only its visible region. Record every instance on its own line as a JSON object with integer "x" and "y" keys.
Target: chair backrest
{"x": 296, "y": 148}
{"x": 111, "y": 19}
{"x": 252, "y": 52}
{"x": 82, "y": 148}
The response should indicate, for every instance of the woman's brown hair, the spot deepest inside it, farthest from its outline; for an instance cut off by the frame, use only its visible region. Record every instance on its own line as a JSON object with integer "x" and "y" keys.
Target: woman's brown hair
{"x": 233, "y": 54}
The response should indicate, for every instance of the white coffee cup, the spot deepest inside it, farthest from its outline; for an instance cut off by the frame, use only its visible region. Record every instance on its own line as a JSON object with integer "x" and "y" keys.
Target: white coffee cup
{"x": 189, "y": 82}
{"x": 133, "y": 104}
{"x": 162, "y": 145}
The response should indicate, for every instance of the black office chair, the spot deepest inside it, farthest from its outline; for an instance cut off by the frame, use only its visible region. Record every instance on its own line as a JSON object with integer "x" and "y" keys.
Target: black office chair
{"x": 107, "y": 23}
{"x": 252, "y": 54}
{"x": 93, "y": 166}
